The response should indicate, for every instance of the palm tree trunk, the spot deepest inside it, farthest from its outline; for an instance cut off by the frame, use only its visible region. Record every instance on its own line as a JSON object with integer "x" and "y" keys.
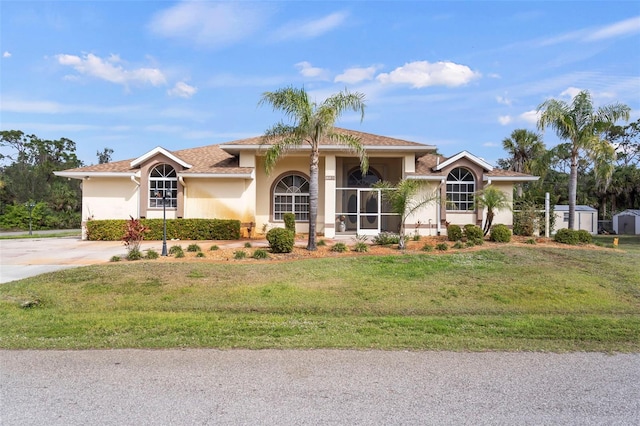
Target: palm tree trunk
{"x": 313, "y": 199}
{"x": 573, "y": 185}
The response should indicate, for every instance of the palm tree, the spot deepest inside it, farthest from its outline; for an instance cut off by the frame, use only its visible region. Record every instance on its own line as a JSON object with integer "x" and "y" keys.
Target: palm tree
{"x": 580, "y": 125}
{"x": 527, "y": 151}
{"x": 493, "y": 200}
{"x": 402, "y": 201}
{"x": 312, "y": 123}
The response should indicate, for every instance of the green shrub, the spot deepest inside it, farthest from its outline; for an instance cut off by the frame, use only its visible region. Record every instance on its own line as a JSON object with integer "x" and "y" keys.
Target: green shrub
{"x": 470, "y": 243}
{"x": 183, "y": 229}
{"x": 442, "y": 246}
{"x": 530, "y": 241}
{"x": 200, "y": 254}
{"x": 527, "y": 219}
{"x": 281, "y": 240}
{"x": 476, "y": 241}
{"x": 500, "y": 234}
{"x": 339, "y": 247}
{"x": 573, "y": 237}
{"x": 321, "y": 243}
{"x": 427, "y": 247}
{"x": 193, "y": 248}
{"x": 386, "y": 238}
{"x": 115, "y": 259}
{"x": 260, "y": 254}
{"x": 214, "y": 248}
{"x": 289, "y": 222}
{"x": 134, "y": 254}
{"x": 176, "y": 251}
{"x": 151, "y": 254}
{"x": 247, "y": 245}
{"x": 584, "y": 236}
{"x": 454, "y": 233}
{"x": 240, "y": 254}
{"x": 361, "y": 247}
{"x": 473, "y": 232}
{"x": 458, "y": 245}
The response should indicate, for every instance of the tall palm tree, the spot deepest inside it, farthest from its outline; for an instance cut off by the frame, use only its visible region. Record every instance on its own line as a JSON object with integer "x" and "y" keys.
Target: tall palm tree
{"x": 527, "y": 152}
{"x": 311, "y": 124}
{"x": 580, "y": 125}
{"x": 494, "y": 200}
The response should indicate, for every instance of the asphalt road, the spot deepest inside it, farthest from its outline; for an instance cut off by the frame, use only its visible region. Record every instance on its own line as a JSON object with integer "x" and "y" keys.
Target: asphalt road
{"x": 318, "y": 387}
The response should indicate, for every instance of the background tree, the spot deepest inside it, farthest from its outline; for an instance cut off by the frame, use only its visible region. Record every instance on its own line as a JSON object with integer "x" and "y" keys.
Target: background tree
{"x": 105, "y": 156}
{"x": 582, "y": 126}
{"x": 26, "y": 172}
{"x": 311, "y": 123}
{"x": 526, "y": 154}
{"x": 494, "y": 200}
{"x": 403, "y": 200}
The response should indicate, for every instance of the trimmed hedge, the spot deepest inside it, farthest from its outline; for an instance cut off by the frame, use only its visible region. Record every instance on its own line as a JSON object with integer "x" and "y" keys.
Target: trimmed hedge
{"x": 573, "y": 236}
{"x": 454, "y": 233}
{"x": 290, "y": 222}
{"x": 473, "y": 232}
{"x": 182, "y": 229}
{"x": 281, "y": 240}
{"x": 500, "y": 234}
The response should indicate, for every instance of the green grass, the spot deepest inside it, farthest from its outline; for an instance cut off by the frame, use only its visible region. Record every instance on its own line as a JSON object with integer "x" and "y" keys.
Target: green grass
{"x": 505, "y": 298}
{"x": 35, "y": 234}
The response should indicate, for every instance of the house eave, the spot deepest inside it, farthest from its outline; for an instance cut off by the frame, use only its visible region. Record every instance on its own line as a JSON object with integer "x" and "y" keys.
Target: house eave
{"x": 86, "y": 175}
{"x": 510, "y": 178}
{"x": 235, "y": 149}
{"x": 251, "y": 175}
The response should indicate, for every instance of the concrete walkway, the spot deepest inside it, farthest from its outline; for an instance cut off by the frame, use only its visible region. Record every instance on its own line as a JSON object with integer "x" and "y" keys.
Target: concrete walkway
{"x": 23, "y": 258}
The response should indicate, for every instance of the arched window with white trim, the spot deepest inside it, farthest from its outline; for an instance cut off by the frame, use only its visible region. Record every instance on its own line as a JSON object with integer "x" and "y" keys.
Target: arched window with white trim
{"x": 461, "y": 188}
{"x": 163, "y": 185}
{"x": 291, "y": 195}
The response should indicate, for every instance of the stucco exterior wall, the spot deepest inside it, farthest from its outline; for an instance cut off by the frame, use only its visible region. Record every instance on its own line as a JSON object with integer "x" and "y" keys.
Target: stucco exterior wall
{"x": 219, "y": 199}
{"x": 109, "y": 198}
{"x": 504, "y": 217}
{"x": 584, "y": 220}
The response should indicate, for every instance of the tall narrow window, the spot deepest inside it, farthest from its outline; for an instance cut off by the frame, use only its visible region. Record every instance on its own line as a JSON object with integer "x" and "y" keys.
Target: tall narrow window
{"x": 291, "y": 195}
{"x": 461, "y": 187}
{"x": 163, "y": 181}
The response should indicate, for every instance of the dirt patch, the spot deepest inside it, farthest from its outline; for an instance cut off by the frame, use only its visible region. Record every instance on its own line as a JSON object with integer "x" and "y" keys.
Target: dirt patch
{"x": 228, "y": 250}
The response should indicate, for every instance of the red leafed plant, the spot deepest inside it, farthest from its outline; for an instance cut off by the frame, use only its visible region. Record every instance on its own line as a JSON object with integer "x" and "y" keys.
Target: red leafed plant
{"x": 134, "y": 234}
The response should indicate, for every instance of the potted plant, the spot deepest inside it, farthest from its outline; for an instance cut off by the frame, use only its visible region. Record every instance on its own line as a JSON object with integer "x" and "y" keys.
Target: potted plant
{"x": 342, "y": 226}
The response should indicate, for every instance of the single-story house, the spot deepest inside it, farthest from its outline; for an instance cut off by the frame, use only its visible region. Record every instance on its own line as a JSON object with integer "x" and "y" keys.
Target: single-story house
{"x": 228, "y": 181}
{"x": 586, "y": 218}
{"x": 627, "y": 222}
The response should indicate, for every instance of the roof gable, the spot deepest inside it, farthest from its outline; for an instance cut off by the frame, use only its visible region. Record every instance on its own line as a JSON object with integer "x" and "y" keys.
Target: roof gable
{"x": 159, "y": 150}
{"x": 464, "y": 154}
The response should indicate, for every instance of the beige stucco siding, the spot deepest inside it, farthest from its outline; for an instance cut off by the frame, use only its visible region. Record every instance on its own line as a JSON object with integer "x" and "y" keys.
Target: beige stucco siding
{"x": 504, "y": 217}
{"x": 109, "y": 198}
{"x": 264, "y": 186}
{"x": 220, "y": 199}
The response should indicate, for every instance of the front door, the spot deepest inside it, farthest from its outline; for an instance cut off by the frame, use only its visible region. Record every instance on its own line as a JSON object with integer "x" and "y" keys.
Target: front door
{"x": 368, "y": 211}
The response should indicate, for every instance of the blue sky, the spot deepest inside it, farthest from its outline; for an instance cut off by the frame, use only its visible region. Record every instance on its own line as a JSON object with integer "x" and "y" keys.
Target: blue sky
{"x": 462, "y": 75}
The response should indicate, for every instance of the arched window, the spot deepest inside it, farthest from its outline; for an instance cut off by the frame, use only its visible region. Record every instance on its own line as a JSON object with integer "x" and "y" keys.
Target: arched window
{"x": 461, "y": 187}
{"x": 163, "y": 180}
{"x": 291, "y": 195}
{"x": 357, "y": 180}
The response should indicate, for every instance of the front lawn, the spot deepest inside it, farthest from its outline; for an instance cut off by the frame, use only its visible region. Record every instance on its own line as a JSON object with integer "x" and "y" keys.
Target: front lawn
{"x": 502, "y": 297}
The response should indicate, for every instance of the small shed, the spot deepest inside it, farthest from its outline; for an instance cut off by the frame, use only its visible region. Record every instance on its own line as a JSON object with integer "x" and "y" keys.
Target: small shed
{"x": 627, "y": 222}
{"x": 586, "y": 218}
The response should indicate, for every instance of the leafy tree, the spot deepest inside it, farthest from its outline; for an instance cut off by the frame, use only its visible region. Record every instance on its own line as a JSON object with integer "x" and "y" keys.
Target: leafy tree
{"x": 26, "y": 173}
{"x": 493, "y": 200}
{"x": 311, "y": 124}
{"x": 627, "y": 143}
{"x": 403, "y": 201}
{"x": 580, "y": 125}
{"x": 104, "y": 156}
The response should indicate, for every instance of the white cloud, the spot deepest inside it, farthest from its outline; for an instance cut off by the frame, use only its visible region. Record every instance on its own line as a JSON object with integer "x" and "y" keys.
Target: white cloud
{"x": 503, "y": 100}
{"x": 309, "y": 71}
{"x": 356, "y": 75}
{"x": 6, "y": 54}
{"x": 311, "y": 28}
{"x": 423, "y": 74}
{"x": 621, "y": 28}
{"x": 211, "y": 24}
{"x": 504, "y": 119}
{"x": 107, "y": 70}
{"x": 530, "y": 117}
{"x": 571, "y": 92}
{"x": 182, "y": 90}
